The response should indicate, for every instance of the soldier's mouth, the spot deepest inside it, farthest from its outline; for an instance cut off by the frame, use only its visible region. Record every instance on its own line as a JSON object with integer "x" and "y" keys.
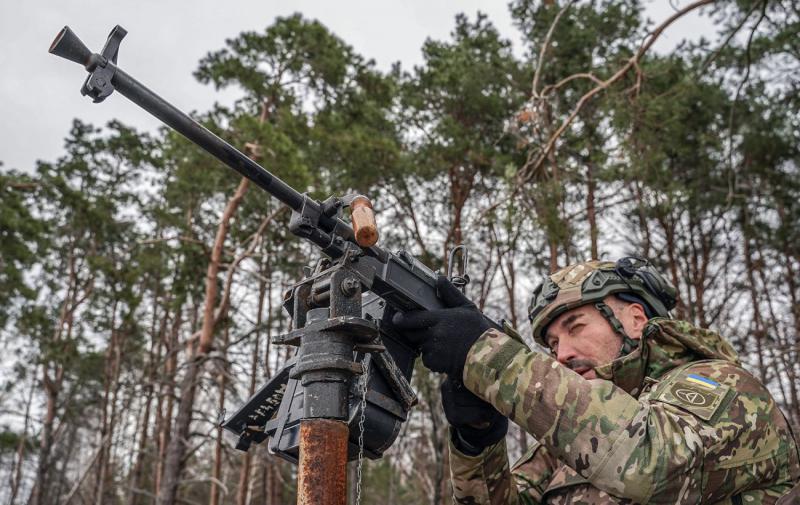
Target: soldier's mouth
{"x": 583, "y": 367}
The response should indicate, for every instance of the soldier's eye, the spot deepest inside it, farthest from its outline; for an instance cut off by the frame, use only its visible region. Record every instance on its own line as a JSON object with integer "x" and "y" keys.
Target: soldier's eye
{"x": 575, "y": 328}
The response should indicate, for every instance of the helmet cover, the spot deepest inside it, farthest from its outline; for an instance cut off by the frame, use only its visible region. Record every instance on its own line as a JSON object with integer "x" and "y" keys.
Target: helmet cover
{"x": 593, "y": 281}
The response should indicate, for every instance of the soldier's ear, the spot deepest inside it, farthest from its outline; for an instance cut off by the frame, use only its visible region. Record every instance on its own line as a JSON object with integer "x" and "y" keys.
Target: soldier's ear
{"x": 637, "y": 318}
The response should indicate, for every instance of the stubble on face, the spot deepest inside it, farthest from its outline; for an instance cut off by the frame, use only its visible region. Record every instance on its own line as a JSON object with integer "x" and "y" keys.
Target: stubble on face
{"x": 585, "y": 367}
{"x": 590, "y": 338}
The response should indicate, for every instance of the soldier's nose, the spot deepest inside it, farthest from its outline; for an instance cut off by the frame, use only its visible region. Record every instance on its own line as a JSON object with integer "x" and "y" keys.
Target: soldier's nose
{"x": 565, "y": 353}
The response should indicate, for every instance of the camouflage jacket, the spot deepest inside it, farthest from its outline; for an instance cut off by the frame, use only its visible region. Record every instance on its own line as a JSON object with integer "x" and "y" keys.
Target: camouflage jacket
{"x": 678, "y": 420}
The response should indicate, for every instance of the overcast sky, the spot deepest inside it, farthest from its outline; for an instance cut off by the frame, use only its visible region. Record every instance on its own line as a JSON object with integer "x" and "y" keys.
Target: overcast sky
{"x": 39, "y": 93}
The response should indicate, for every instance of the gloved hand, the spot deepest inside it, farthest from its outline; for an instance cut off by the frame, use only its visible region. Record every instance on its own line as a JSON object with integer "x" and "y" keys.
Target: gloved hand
{"x": 444, "y": 336}
{"x": 475, "y": 423}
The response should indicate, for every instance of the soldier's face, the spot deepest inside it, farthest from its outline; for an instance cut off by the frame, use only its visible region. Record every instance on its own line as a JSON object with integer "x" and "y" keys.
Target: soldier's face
{"x": 582, "y": 339}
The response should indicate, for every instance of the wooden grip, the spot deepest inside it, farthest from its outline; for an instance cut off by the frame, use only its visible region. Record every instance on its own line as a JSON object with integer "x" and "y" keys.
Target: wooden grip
{"x": 364, "y": 227}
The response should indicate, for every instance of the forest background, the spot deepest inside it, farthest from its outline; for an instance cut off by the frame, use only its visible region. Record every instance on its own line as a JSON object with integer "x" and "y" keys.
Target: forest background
{"x": 140, "y": 281}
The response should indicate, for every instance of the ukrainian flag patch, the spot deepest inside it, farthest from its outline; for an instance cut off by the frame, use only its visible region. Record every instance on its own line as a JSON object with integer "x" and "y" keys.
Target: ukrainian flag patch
{"x": 702, "y": 381}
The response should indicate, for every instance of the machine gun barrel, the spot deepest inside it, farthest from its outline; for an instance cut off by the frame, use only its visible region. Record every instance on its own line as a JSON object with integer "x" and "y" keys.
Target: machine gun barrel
{"x": 106, "y": 77}
{"x": 211, "y": 143}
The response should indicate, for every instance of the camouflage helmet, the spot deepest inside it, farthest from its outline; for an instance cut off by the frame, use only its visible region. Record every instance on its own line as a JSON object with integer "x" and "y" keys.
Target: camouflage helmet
{"x": 632, "y": 279}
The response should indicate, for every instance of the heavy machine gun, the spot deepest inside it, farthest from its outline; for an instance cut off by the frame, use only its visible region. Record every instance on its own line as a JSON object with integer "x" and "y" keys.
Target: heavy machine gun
{"x": 314, "y": 410}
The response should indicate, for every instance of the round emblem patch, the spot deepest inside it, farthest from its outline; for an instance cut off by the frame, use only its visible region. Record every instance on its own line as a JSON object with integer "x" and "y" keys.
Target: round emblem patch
{"x": 691, "y": 397}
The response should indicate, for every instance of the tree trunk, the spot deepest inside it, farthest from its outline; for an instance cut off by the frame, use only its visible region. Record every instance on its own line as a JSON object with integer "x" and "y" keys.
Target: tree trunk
{"x": 52, "y": 384}
{"x": 669, "y": 234}
{"x": 137, "y": 473}
{"x": 164, "y": 410}
{"x": 16, "y": 471}
{"x": 106, "y": 423}
{"x": 64, "y": 456}
{"x": 759, "y": 330}
{"x": 590, "y": 210}
{"x": 154, "y": 356}
{"x": 794, "y": 349}
{"x": 698, "y": 262}
{"x": 216, "y": 475}
{"x": 461, "y": 182}
{"x": 273, "y": 481}
{"x": 39, "y": 494}
{"x": 173, "y": 464}
{"x": 644, "y": 227}
{"x": 244, "y": 473}
{"x": 178, "y": 444}
{"x": 86, "y": 470}
{"x": 351, "y": 481}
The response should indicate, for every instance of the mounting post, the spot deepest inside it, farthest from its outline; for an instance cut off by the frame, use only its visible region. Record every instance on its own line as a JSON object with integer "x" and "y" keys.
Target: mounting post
{"x": 325, "y": 368}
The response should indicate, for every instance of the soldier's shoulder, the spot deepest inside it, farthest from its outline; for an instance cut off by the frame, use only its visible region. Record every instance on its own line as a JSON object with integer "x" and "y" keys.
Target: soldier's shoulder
{"x": 720, "y": 371}
{"x": 715, "y": 374}
{"x": 725, "y": 397}
{"x": 735, "y": 417}
{"x": 704, "y": 388}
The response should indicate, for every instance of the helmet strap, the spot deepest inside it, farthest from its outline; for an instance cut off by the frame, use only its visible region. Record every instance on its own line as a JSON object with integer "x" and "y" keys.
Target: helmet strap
{"x": 628, "y": 344}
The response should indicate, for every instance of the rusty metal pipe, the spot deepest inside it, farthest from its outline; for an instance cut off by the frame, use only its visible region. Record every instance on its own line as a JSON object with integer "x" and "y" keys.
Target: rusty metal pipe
{"x": 322, "y": 470}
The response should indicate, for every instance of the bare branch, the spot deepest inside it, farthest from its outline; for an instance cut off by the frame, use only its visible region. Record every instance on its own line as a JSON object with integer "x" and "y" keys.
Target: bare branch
{"x": 207, "y": 331}
{"x": 85, "y": 473}
{"x": 728, "y": 39}
{"x": 532, "y": 166}
{"x": 23, "y": 186}
{"x": 181, "y": 238}
{"x": 226, "y": 293}
{"x": 745, "y": 78}
{"x": 581, "y": 75}
{"x": 546, "y": 45}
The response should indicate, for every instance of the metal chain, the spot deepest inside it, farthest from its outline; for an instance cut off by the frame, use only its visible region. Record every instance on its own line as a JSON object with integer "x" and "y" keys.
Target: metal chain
{"x": 363, "y": 390}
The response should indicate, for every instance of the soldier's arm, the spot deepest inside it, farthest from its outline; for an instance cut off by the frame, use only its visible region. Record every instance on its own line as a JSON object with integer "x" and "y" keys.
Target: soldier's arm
{"x": 486, "y": 478}
{"x": 648, "y": 451}
{"x": 532, "y": 474}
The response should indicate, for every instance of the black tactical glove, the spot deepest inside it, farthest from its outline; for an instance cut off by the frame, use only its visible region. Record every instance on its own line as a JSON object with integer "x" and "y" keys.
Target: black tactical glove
{"x": 444, "y": 336}
{"x": 475, "y": 423}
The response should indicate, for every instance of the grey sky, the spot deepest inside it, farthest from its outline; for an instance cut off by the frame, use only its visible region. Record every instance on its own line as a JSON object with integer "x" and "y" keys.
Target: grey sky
{"x": 39, "y": 94}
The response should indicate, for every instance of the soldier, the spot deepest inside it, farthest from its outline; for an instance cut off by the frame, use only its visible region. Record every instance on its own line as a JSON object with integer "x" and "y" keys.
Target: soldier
{"x": 629, "y": 406}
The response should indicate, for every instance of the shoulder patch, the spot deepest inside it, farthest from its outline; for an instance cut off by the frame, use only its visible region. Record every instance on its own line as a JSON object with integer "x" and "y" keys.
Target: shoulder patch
{"x": 695, "y": 393}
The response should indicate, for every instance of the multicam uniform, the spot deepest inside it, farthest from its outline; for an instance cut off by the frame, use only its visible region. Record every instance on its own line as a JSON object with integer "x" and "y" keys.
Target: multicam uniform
{"x": 677, "y": 420}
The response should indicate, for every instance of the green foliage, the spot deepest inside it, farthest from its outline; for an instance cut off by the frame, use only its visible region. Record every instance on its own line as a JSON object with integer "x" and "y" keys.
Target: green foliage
{"x": 460, "y": 100}
{"x": 9, "y": 442}
{"x": 677, "y": 131}
{"x": 591, "y": 37}
{"x": 292, "y": 50}
{"x": 382, "y": 484}
{"x": 318, "y": 112}
{"x": 20, "y": 240}
{"x": 104, "y": 252}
